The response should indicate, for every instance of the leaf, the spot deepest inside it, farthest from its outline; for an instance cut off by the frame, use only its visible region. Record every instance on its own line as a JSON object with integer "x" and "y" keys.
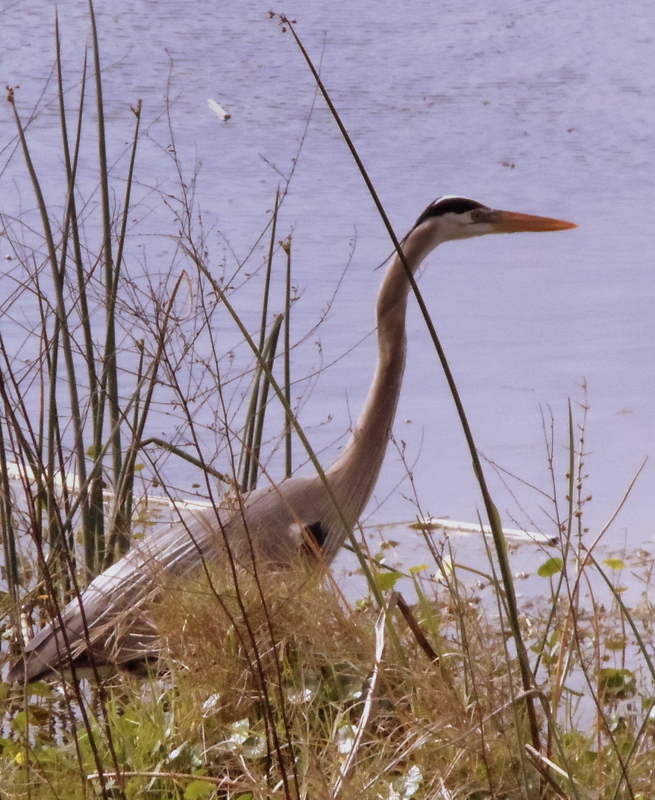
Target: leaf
{"x": 176, "y": 751}
{"x": 387, "y": 580}
{"x": 19, "y": 722}
{"x": 211, "y": 704}
{"x": 39, "y": 714}
{"x": 39, "y": 689}
{"x": 345, "y": 739}
{"x": 616, "y": 684}
{"x": 240, "y": 731}
{"x": 197, "y": 789}
{"x": 411, "y": 783}
{"x": 444, "y": 569}
{"x": 416, "y": 570}
{"x": 614, "y": 563}
{"x": 550, "y": 568}
{"x": 254, "y": 747}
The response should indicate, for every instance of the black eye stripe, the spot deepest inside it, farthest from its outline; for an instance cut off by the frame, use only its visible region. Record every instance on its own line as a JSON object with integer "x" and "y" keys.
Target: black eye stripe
{"x": 448, "y": 205}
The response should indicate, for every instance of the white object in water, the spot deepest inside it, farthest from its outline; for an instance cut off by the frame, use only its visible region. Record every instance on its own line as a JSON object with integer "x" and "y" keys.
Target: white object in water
{"x": 218, "y": 109}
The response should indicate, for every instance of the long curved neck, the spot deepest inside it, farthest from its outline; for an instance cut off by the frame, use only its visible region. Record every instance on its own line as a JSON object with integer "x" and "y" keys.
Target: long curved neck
{"x": 354, "y": 475}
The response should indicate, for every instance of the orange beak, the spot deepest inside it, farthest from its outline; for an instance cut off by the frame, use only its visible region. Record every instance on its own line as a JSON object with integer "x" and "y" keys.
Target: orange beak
{"x": 512, "y": 222}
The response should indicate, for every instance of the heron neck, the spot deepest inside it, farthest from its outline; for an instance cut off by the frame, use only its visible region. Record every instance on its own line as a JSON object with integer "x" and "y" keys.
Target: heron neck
{"x": 355, "y": 473}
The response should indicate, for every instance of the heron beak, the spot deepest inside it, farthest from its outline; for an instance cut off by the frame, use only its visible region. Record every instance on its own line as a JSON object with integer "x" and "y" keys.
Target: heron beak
{"x": 512, "y": 222}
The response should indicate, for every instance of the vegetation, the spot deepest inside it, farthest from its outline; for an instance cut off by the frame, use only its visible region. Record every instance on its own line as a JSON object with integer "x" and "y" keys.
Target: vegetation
{"x": 275, "y": 686}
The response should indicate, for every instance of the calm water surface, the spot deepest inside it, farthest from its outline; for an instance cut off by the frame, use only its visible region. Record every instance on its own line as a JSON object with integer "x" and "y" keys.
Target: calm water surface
{"x": 542, "y": 107}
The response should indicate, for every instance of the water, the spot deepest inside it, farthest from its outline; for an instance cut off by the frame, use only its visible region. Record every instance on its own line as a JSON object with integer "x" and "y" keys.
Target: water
{"x": 544, "y": 107}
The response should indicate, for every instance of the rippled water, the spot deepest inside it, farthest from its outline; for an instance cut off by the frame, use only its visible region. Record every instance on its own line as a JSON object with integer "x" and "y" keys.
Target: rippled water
{"x": 543, "y": 107}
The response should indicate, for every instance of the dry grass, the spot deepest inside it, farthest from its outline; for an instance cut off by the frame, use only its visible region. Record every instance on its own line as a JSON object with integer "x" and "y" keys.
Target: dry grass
{"x": 302, "y": 665}
{"x": 302, "y": 696}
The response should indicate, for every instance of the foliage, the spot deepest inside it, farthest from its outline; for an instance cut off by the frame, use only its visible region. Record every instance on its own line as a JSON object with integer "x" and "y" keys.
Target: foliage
{"x": 275, "y": 688}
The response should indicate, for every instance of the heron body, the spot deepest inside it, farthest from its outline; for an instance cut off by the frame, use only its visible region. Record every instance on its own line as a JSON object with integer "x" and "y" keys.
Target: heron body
{"x": 109, "y": 624}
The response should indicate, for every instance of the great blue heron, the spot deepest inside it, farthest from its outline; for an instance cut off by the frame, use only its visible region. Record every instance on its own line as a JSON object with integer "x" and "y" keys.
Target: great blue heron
{"x": 277, "y": 523}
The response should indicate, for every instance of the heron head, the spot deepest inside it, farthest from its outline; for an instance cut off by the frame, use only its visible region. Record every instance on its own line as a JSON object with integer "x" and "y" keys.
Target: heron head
{"x": 461, "y": 218}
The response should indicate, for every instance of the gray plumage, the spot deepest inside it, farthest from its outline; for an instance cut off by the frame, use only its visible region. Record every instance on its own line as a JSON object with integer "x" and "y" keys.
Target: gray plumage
{"x": 273, "y": 524}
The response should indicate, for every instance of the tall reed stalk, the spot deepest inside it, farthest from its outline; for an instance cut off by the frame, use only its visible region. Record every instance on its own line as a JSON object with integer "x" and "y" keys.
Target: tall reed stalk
{"x": 490, "y": 508}
{"x": 75, "y": 355}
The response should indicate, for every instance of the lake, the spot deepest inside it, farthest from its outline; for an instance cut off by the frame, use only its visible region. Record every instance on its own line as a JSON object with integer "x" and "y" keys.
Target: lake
{"x": 540, "y": 107}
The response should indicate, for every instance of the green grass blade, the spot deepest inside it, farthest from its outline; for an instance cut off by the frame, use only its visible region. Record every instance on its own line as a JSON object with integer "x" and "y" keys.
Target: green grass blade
{"x": 245, "y": 467}
{"x": 110, "y": 369}
{"x": 288, "y": 454}
{"x": 269, "y": 356}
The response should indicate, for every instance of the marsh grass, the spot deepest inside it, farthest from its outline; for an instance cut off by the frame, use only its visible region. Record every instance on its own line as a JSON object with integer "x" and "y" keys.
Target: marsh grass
{"x": 276, "y": 685}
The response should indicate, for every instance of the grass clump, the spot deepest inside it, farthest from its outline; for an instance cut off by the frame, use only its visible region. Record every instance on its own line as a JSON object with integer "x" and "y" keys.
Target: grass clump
{"x": 295, "y": 695}
{"x": 278, "y": 688}
{"x": 307, "y": 672}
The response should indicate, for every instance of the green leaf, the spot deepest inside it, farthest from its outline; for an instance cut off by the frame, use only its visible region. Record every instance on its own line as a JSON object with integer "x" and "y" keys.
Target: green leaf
{"x": 39, "y": 689}
{"x": 616, "y": 684}
{"x": 550, "y": 567}
{"x": 19, "y": 722}
{"x": 614, "y": 563}
{"x": 387, "y": 580}
{"x": 197, "y": 789}
{"x": 139, "y": 467}
{"x": 416, "y": 570}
